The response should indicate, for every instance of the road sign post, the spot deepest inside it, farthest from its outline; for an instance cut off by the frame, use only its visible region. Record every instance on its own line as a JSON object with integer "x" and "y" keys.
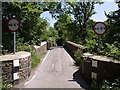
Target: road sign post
{"x": 13, "y": 26}
{"x": 99, "y": 29}
{"x": 14, "y": 42}
{"x": 98, "y": 42}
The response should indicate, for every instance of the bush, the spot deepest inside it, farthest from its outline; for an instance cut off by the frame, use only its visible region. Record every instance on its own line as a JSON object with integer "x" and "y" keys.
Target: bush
{"x": 78, "y": 56}
{"x": 35, "y": 59}
{"x": 111, "y": 51}
{"x": 92, "y": 46}
{"x": 20, "y": 46}
{"x": 94, "y": 85}
{"x": 113, "y": 84}
{"x": 4, "y": 86}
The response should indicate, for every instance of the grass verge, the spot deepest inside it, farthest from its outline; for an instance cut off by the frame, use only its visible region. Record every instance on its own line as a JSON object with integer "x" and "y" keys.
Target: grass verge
{"x": 36, "y": 59}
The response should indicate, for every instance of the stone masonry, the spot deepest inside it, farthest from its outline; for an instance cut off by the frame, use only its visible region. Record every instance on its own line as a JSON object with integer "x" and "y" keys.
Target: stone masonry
{"x": 15, "y": 67}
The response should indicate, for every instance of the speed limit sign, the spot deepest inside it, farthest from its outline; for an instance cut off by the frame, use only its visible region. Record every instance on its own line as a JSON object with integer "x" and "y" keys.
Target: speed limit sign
{"x": 99, "y": 28}
{"x": 13, "y": 24}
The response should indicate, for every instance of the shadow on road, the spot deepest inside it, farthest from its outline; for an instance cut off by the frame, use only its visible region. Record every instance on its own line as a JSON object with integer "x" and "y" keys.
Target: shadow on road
{"x": 78, "y": 78}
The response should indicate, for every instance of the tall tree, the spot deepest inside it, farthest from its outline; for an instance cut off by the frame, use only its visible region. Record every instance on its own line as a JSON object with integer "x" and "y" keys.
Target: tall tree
{"x": 81, "y": 11}
{"x": 31, "y": 25}
{"x": 114, "y": 26}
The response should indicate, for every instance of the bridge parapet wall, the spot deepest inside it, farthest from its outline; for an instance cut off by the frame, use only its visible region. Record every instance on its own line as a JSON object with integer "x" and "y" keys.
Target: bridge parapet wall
{"x": 98, "y": 68}
{"x": 95, "y": 67}
{"x": 72, "y": 47}
{"x": 15, "y": 67}
{"x": 42, "y": 48}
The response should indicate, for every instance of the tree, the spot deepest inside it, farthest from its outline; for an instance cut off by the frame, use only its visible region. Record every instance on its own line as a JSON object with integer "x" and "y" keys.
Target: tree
{"x": 32, "y": 26}
{"x": 81, "y": 11}
{"x": 113, "y": 22}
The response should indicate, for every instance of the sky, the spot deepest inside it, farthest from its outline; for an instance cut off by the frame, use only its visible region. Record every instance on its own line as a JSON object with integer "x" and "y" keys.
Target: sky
{"x": 99, "y": 9}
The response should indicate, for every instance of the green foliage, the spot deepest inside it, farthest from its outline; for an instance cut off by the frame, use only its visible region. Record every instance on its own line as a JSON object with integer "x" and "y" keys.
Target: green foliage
{"x": 32, "y": 27}
{"x": 52, "y": 35}
{"x": 65, "y": 27}
{"x": 94, "y": 86}
{"x": 78, "y": 57}
{"x": 20, "y": 46}
{"x": 35, "y": 59}
{"x": 73, "y": 29}
{"x": 111, "y": 51}
{"x": 73, "y": 24}
{"x": 113, "y": 84}
{"x": 4, "y": 86}
{"x": 92, "y": 46}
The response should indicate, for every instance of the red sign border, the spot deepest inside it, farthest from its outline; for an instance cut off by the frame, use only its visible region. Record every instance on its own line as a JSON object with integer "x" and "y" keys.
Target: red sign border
{"x": 101, "y": 33}
{"x": 18, "y": 25}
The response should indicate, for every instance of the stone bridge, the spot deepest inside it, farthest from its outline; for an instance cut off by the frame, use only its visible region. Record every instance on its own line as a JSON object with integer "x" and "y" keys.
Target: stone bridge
{"x": 57, "y": 69}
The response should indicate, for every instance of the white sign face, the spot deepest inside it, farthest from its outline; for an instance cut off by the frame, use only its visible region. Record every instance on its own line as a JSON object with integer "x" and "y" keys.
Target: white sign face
{"x": 94, "y": 63}
{"x": 100, "y": 28}
{"x": 16, "y": 63}
{"x": 15, "y": 76}
{"x": 94, "y": 75}
{"x": 13, "y": 24}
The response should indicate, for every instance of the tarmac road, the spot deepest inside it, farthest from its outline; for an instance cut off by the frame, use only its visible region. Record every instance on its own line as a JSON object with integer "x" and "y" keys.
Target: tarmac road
{"x": 57, "y": 70}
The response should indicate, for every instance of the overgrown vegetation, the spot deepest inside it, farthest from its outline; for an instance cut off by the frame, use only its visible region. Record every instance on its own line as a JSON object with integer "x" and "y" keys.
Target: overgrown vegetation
{"x": 33, "y": 29}
{"x": 4, "y": 86}
{"x": 78, "y": 57}
{"x": 113, "y": 84}
{"x": 36, "y": 58}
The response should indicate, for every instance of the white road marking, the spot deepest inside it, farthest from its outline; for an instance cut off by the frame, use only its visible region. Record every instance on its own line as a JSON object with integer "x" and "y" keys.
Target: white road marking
{"x": 69, "y": 56}
{"x": 36, "y": 71}
{"x": 30, "y": 80}
{"x": 53, "y": 66}
{"x": 46, "y": 56}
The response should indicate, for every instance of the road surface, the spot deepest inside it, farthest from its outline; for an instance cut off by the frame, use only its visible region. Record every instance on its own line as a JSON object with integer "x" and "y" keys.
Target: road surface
{"x": 57, "y": 70}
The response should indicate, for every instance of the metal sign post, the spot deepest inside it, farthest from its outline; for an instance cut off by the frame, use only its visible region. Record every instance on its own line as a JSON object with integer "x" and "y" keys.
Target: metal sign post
{"x": 13, "y": 26}
{"x": 99, "y": 29}
{"x": 98, "y": 42}
{"x": 14, "y": 42}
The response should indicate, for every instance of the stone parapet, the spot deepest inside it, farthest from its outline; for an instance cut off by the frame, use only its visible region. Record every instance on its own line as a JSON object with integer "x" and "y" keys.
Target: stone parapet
{"x": 40, "y": 49}
{"x": 72, "y": 47}
{"x": 95, "y": 67}
{"x": 15, "y": 67}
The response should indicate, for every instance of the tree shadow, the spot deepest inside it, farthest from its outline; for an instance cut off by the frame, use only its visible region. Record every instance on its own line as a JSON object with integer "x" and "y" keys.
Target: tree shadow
{"x": 78, "y": 78}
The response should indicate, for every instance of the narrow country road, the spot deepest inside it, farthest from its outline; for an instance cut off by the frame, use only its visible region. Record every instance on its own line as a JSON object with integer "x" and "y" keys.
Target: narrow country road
{"x": 57, "y": 70}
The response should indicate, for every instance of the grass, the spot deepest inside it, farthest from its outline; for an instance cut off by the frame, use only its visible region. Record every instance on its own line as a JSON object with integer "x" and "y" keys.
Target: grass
{"x": 36, "y": 59}
{"x": 4, "y": 86}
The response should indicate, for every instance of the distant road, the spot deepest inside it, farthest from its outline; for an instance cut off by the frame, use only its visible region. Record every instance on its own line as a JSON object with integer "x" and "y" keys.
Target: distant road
{"x": 56, "y": 71}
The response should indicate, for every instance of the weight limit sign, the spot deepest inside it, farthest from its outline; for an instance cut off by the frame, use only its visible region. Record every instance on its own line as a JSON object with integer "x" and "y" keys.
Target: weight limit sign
{"x": 99, "y": 28}
{"x": 13, "y": 24}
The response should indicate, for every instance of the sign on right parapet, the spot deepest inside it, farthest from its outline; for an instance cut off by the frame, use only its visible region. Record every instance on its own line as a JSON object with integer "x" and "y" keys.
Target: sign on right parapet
{"x": 99, "y": 28}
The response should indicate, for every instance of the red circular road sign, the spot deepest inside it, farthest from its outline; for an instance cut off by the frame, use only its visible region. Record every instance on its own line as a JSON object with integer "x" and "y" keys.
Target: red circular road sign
{"x": 99, "y": 28}
{"x": 13, "y": 24}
